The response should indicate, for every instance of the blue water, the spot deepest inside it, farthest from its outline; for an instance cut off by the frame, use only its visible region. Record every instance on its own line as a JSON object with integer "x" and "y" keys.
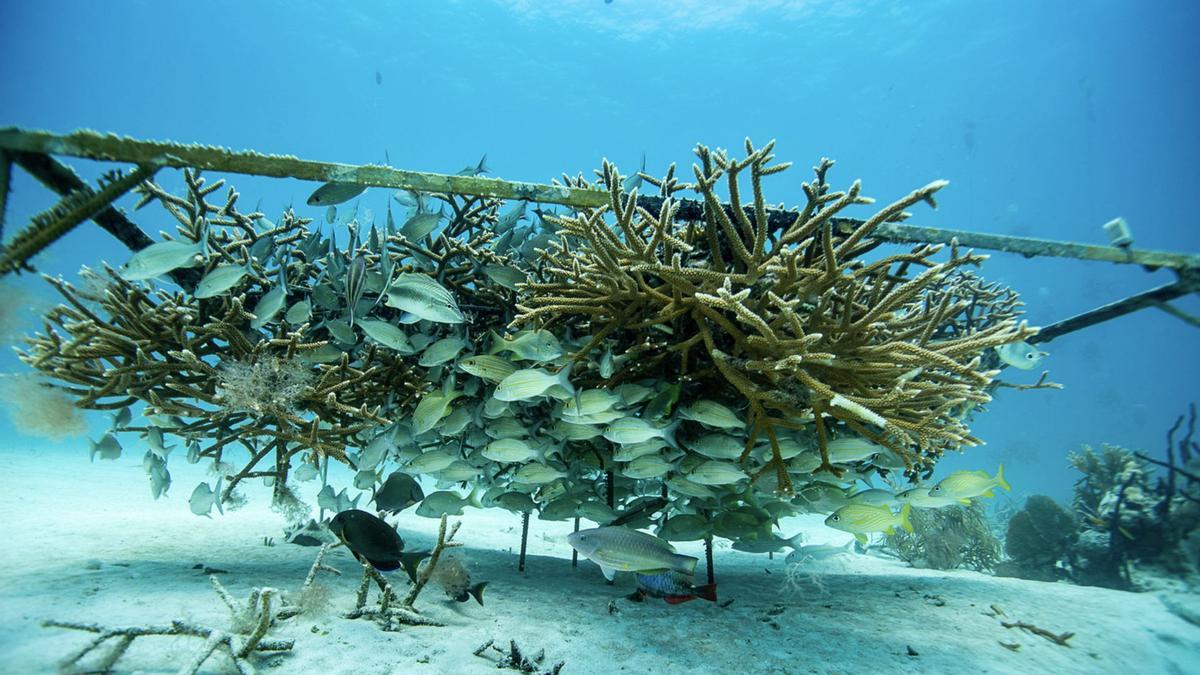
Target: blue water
{"x": 1049, "y": 119}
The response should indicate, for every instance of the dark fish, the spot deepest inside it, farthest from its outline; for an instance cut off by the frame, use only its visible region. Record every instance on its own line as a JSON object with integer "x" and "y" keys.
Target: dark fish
{"x": 378, "y": 77}
{"x": 398, "y": 492}
{"x": 640, "y": 509}
{"x": 674, "y": 587}
{"x": 372, "y": 540}
{"x": 330, "y": 194}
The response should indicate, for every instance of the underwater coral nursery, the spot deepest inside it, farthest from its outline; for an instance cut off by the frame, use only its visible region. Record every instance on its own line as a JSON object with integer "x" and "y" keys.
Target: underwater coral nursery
{"x": 740, "y": 366}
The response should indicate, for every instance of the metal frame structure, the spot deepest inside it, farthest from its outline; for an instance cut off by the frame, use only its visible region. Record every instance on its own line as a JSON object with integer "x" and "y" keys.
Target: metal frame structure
{"x": 33, "y": 151}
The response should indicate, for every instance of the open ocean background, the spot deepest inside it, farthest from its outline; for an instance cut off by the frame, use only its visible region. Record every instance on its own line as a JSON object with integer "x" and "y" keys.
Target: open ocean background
{"x": 1048, "y": 118}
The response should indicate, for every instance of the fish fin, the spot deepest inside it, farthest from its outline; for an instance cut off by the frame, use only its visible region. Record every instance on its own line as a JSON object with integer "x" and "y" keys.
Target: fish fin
{"x": 677, "y": 599}
{"x": 669, "y": 434}
{"x": 609, "y": 573}
{"x": 861, "y": 538}
{"x": 905, "y": 513}
{"x": 707, "y": 592}
{"x": 964, "y": 501}
{"x": 685, "y": 563}
{"x": 1000, "y": 479}
{"x": 217, "y": 496}
{"x": 476, "y": 592}
{"x": 410, "y": 561}
{"x": 497, "y": 345}
{"x": 474, "y": 500}
{"x": 636, "y": 596}
{"x": 563, "y": 379}
{"x": 989, "y": 493}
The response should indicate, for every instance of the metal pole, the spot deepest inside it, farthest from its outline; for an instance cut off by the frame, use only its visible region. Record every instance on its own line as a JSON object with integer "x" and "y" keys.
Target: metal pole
{"x": 574, "y": 553}
{"x": 1150, "y": 298}
{"x": 524, "y": 540}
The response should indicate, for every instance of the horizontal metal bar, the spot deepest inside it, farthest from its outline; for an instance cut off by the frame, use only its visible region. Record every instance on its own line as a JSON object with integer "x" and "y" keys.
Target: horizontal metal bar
{"x": 1151, "y": 298}
{"x": 110, "y": 147}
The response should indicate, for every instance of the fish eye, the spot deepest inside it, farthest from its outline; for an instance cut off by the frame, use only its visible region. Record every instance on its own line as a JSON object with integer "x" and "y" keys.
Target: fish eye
{"x": 835, "y": 517}
{"x": 1031, "y": 356}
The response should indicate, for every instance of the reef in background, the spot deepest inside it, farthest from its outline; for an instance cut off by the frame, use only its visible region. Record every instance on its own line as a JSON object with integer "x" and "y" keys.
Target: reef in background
{"x": 1131, "y": 525}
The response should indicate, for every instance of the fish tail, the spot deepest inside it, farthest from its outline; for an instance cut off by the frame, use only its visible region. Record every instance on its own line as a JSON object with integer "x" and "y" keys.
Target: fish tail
{"x": 684, "y": 563}
{"x": 677, "y": 599}
{"x": 410, "y": 561}
{"x": 473, "y": 498}
{"x": 669, "y": 434}
{"x": 563, "y": 379}
{"x": 497, "y": 345}
{"x": 476, "y": 592}
{"x": 1000, "y": 479}
{"x": 707, "y": 592}
{"x": 905, "y": 512}
{"x": 217, "y": 496}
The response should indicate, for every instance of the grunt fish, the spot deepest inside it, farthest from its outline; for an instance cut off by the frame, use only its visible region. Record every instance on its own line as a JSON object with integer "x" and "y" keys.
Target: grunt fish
{"x": 862, "y": 519}
{"x": 162, "y": 257}
{"x": 967, "y": 484}
{"x": 674, "y": 587}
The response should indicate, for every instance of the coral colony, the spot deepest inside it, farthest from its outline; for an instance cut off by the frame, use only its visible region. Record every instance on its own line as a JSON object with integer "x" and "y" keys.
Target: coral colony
{"x": 707, "y": 370}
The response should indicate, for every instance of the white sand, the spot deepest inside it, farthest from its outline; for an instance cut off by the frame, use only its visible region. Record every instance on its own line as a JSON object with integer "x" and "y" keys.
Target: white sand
{"x": 860, "y": 614}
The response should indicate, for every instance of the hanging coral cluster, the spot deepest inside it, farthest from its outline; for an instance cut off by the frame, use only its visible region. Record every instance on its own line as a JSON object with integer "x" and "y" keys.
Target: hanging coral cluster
{"x": 791, "y": 321}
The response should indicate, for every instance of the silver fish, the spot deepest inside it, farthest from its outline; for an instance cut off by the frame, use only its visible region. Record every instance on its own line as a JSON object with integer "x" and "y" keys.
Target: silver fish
{"x": 158, "y": 259}
{"x": 443, "y": 350}
{"x": 386, "y": 334}
{"x": 356, "y": 279}
{"x": 420, "y": 226}
{"x": 333, "y": 193}
{"x": 108, "y": 447}
{"x": 204, "y": 498}
{"x": 220, "y": 279}
{"x": 420, "y": 295}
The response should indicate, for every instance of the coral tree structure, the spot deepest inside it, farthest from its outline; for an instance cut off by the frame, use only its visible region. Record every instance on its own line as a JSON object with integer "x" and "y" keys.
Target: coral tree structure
{"x": 779, "y": 321}
{"x": 791, "y": 320}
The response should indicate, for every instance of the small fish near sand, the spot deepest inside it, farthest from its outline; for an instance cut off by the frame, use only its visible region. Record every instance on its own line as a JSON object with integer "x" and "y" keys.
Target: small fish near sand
{"x": 453, "y": 578}
{"x": 372, "y": 540}
{"x": 673, "y": 587}
{"x": 621, "y": 549}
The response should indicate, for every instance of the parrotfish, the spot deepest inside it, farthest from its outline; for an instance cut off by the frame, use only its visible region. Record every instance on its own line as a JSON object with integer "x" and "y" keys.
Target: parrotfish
{"x": 622, "y": 549}
{"x": 674, "y": 587}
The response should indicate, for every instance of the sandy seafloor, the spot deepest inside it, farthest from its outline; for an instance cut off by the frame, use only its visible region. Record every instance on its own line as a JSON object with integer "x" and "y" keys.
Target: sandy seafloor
{"x": 860, "y": 614}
